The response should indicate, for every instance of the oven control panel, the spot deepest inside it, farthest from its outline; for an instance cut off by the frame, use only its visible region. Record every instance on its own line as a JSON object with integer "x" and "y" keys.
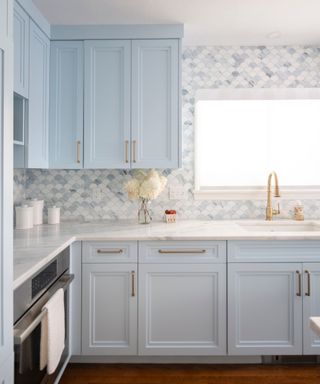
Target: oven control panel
{"x": 43, "y": 279}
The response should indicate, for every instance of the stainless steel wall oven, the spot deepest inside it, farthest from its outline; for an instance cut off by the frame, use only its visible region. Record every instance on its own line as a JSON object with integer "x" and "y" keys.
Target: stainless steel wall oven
{"x": 29, "y": 299}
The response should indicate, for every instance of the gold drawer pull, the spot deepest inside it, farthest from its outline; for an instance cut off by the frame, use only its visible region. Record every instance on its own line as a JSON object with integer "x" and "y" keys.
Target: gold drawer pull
{"x": 134, "y": 144}
{"x": 133, "y": 274}
{"x": 166, "y": 251}
{"x": 78, "y": 151}
{"x": 107, "y": 251}
{"x": 126, "y": 151}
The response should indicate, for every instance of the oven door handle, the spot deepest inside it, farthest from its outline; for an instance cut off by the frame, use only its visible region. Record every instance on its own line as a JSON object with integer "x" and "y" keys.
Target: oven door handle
{"x": 20, "y": 335}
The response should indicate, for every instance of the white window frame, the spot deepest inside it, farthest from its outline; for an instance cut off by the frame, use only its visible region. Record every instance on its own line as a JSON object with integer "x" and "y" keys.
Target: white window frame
{"x": 251, "y": 193}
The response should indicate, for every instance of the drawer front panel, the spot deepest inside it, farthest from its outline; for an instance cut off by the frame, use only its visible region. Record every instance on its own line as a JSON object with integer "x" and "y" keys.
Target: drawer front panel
{"x": 273, "y": 251}
{"x": 182, "y": 252}
{"x": 109, "y": 252}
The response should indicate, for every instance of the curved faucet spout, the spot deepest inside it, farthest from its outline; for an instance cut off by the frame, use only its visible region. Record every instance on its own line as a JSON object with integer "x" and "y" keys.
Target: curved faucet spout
{"x": 270, "y": 212}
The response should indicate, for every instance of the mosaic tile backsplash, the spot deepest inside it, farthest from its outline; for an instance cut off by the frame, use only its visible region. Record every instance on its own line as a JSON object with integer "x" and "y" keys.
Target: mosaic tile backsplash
{"x": 98, "y": 194}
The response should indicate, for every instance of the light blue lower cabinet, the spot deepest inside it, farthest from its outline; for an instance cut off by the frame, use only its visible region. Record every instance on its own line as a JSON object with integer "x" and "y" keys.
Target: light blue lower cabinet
{"x": 182, "y": 309}
{"x": 272, "y": 293}
{"x": 109, "y": 309}
{"x": 311, "y": 306}
{"x": 75, "y": 299}
{"x": 264, "y": 309}
{"x": 180, "y": 298}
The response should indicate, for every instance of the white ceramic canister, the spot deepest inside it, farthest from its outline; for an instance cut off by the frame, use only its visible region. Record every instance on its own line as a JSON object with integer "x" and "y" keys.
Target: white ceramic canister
{"x": 24, "y": 217}
{"x": 53, "y": 215}
{"x": 37, "y": 210}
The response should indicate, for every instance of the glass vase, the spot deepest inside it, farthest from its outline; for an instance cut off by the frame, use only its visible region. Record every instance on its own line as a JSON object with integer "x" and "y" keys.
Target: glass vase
{"x": 144, "y": 213}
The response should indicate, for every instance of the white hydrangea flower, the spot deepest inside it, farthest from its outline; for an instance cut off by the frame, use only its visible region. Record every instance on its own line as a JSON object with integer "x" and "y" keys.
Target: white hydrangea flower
{"x": 150, "y": 188}
{"x": 132, "y": 187}
{"x": 145, "y": 185}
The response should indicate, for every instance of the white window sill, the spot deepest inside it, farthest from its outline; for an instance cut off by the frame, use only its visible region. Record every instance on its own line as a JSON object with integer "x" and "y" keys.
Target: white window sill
{"x": 288, "y": 193}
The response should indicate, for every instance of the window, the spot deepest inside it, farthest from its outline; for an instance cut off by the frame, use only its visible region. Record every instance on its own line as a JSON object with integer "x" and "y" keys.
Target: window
{"x": 243, "y": 134}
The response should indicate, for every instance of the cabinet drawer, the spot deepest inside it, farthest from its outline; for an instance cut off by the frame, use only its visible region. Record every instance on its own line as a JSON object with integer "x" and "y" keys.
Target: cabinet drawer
{"x": 182, "y": 252}
{"x": 109, "y": 252}
{"x": 273, "y": 251}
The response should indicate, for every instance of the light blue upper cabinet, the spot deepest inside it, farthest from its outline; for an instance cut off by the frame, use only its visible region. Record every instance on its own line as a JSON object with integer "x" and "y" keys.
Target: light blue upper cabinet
{"x": 155, "y": 104}
{"x": 37, "y": 135}
{"x": 66, "y": 105}
{"x": 21, "y": 51}
{"x": 107, "y": 104}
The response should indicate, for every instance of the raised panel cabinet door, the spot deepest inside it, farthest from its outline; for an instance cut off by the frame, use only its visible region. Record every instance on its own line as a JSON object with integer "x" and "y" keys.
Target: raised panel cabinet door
{"x": 182, "y": 309}
{"x": 264, "y": 309}
{"x": 109, "y": 309}
{"x": 75, "y": 299}
{"x": 155, "y": 104}
{"x": 21, "y": 51}
{"x": 107, "y": 104}
{"x": 311, "y": 306}
{"x": 37, "y": 132}
{"x": 66, "y": 105}
{"x": 6, "y": 22}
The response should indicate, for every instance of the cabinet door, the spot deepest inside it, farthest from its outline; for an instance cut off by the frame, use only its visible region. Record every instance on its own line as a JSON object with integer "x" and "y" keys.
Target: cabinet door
{"x": 155, "y": 104}
{"x": 6, "y": 18}
{"x": 37, "y": 135}
{"x": 109, "y": 309}
{"x": 21, "y": 51}
{"x": 182, "y": 309}
{"x": 311, "y": 306}
{"x": 264, "y": 309}
{"x": 66, "y": 104}
{"x": 75, "y": 299}
{"x": 107, "y": 104}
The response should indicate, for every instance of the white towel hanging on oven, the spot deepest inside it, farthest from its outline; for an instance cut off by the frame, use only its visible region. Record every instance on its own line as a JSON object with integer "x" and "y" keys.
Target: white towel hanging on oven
{"x": 52, "y": 332}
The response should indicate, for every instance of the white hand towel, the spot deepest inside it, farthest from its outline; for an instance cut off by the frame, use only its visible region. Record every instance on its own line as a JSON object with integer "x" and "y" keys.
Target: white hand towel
{"x": 52, "y": 332}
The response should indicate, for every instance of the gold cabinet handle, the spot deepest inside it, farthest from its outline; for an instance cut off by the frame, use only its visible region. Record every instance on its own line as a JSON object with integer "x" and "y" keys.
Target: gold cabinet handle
{"x": 298, "y": 274}
{"x": 126, "y": 151}
{"x": 78, "y": 151}
{"x": 108, "y": 251}
{"x": 134, "y": 145}
{"x": 133, "y": 274}
{"x": 166, "y": 251}
{"x": 308, "y": 293}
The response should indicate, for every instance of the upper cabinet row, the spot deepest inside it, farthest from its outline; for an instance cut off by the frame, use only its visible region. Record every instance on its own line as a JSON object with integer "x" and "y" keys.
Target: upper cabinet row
{"x": 101, "y": 104}
{"x": 124, "y": 111}
{"x": 31, "y": 87}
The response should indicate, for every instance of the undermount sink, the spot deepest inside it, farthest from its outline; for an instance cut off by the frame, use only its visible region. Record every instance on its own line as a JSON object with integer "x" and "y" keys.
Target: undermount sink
{"x": 280, "y": 227}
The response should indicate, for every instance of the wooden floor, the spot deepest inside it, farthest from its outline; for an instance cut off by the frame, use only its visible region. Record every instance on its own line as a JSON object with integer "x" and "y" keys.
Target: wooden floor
{"x": 190, "y": 374}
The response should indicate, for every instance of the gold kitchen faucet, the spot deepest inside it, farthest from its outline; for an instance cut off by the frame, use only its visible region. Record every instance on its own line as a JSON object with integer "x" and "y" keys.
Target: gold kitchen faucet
{"x": 270, "y": 211}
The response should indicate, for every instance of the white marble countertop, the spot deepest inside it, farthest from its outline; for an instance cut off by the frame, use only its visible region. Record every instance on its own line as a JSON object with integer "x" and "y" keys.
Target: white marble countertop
{"x": 35, "y": 247}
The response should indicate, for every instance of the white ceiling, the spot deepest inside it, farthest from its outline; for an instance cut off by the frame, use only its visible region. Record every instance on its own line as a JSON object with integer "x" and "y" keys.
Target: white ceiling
{"x": 207, "y": 22}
